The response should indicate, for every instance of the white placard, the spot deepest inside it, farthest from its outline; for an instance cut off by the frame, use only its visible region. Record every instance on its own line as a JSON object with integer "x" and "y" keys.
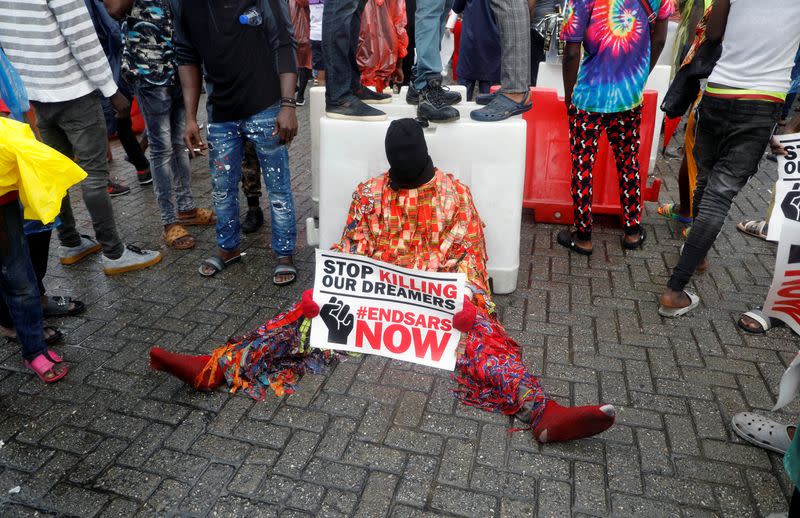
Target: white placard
{"x": 788, "y": 176}
{"x": 372, "y": 307}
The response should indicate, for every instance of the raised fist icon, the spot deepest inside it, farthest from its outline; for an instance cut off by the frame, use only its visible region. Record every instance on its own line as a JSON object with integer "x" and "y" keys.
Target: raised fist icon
{"x": 338, "y": 319}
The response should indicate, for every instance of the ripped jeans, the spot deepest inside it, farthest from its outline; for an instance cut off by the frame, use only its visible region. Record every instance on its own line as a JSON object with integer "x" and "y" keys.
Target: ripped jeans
{"x": 225, "y": 149}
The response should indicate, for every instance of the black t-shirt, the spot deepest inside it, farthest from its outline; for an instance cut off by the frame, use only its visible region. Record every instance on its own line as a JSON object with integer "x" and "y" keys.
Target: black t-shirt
{"x": 237, "y": 59}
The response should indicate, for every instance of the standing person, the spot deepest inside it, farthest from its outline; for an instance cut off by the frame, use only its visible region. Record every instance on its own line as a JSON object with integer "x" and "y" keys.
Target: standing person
{"x": 301, "y": 20}
{"x": 316, "y": 7}
{"x": 605, "y": 95}
{"x": 249, "y": 99}
{"x": 35, "y": 175}
{"x": 70, "y": 118}
{"x": 148, "y": 63}
{"x": 513, "y": 98}
{"x": 345, "y": 96}
{"x": 479, "y": 51}
{"x": 738, "y": 114}
{"x": 434, "y": 101}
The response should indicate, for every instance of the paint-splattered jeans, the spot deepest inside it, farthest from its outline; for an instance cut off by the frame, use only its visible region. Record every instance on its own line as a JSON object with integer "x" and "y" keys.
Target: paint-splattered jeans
{"x": 226, "y": 144}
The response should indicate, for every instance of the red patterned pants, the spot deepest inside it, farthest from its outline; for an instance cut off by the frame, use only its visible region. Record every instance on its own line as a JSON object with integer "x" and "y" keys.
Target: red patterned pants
{"x": 622, "y": 130}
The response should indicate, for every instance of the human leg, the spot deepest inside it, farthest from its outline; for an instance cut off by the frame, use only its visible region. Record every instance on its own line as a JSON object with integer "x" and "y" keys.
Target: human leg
{"x": 584, "y": 132}
{"x": 251, "y": 187}
{"x": 731, "y": 137}
{"x": 428, "y": 36}
{"x": 339, "y": 18}
{"x": 513, "y": 23}
{"x": 623, "y": 135}
{"x": 225, "y": 162}
{"x": 82, "y": 121}
{"x": 537, "y": 54}
{"x": 274, "y": 159}
{"x": 181, "y": 169}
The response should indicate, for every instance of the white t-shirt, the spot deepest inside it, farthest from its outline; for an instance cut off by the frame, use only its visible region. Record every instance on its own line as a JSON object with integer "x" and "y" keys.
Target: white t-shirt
{"x": 761, "y": 40}
{"x": 316, "y": 21}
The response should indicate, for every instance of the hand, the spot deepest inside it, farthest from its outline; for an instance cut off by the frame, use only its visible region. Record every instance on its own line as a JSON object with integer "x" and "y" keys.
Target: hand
{"x": 310, "y": 308}
{"x": 286, "y": 125}
{"x": 192, "y": 138}
{"x": 397, "y": 76}
{"x": 338, "y": 319}
{"x": 121, "y": 105}
{"x": 464, "y": 319}
{"x": 777, "y": 147}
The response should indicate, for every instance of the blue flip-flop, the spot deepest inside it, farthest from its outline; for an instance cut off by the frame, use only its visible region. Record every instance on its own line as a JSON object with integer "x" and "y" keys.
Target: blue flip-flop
{"x": 501, "y": 108}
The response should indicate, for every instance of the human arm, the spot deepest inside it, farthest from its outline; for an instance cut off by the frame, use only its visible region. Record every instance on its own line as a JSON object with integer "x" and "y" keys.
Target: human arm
{"x": 118, "y": 9}
{"x": 75, "y": 25}
{"x": 280, "y": 32}
{"x": 191, "y": 81}
{"x": 286, "y": 122}
{"x": 717, "y": 21}
{"x": 571, "y": 64}
{"x": 793, "y": 126}
{"x": 657, "y": 41}
{"x": 531, "y": 7}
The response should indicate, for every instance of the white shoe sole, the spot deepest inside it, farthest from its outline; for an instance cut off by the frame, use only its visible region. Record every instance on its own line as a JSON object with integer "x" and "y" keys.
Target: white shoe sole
{"x": 369, "y": 118}
{"x": 133, "y": 267}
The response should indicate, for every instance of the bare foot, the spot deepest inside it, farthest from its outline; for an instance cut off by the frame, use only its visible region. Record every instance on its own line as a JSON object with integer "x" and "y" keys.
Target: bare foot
{"x": 282, "y": 278}
{"x": 674, "y": 299}
{"x": 223, "y": 254}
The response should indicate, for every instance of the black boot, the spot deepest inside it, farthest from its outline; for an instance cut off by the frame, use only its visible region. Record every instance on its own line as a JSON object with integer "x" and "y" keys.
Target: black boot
{"x": 253, "y": 220}
{"x": 434, "y": 103}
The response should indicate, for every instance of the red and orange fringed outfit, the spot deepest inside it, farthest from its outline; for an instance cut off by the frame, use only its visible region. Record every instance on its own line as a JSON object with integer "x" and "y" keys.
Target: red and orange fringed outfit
{"x": 436, "y": 228}
{"x": 383, "y": 41}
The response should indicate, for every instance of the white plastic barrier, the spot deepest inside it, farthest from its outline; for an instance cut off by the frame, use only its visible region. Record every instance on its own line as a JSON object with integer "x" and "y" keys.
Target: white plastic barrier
{"x": 398, "y": 108}
{"x": 550, "y": 77}
{"x": 489, "y": 157}
{"x": 669, "y": 46}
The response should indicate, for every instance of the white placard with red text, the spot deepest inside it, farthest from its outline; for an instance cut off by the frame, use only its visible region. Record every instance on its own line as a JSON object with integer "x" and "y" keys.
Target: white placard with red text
{"x": 788, "y": 176}
{"x": 372, "y": 307}
{"x": 783, "y": 300}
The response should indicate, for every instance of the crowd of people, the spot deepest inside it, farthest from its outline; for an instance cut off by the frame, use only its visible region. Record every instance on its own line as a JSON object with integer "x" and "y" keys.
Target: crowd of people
{"x": 69, "y": 70}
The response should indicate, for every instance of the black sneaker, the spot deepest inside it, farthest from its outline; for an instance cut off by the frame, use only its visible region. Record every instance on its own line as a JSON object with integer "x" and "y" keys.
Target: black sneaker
{"x": 253, "y": 220}
{"x": 117, "y": 189}
{"x": 300, "y": 98}
{"x": 355, "y": 110}
{"x": 448, "y": 97}
{"x": 433, "y": 105}
{"x": 370, "y": 97}
{"x": 145, "y": 177}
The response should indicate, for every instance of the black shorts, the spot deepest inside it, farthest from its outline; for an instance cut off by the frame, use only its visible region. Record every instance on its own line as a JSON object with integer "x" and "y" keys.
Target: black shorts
{"x": 317, "y": 61}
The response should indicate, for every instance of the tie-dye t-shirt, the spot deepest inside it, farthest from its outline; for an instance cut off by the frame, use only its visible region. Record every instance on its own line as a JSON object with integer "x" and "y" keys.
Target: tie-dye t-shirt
{"x": 616, "y": 43}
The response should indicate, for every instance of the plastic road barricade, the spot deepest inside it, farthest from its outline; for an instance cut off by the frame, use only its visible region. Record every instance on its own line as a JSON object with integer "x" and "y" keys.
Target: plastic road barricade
{"x": 488, "y": 157}
{"x": 548, "y": 171}
{"x": 398, "y": 108}
{"x": 550, "y": 77}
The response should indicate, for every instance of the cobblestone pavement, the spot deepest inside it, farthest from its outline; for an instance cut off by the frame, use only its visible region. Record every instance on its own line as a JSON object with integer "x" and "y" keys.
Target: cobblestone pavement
{"x": 375, "y": 437}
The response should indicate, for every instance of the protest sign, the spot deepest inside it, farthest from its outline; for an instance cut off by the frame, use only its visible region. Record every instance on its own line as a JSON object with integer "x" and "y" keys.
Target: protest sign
{"x": 372, "y": 307}
{"x": 783, "y": 300}
{"x": 788, "y": 176}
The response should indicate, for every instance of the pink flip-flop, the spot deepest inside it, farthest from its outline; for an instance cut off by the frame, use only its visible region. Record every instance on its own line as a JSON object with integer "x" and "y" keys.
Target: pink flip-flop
{"x": 44, "y": 363}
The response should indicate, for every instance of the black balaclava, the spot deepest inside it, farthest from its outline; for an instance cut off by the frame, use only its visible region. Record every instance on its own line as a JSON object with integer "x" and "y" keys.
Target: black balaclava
{"x": 410, "y": 166}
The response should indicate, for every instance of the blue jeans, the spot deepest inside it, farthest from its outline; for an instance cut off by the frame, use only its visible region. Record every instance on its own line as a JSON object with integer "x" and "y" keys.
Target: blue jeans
{"x": 18, "y": 283}
{"x": 225, "y": 149}
{"x": 430, "y": 19}
{"x": 341, "y": 25}
{"x": 164, "y": 115}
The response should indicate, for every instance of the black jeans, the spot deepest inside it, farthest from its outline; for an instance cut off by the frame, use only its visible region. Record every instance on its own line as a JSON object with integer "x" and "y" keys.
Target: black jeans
{"x": 39, "y": 247}
{"x": 537, "y": 54}
{"x": 730, "y": 138}
{"x": 341, "y": 25}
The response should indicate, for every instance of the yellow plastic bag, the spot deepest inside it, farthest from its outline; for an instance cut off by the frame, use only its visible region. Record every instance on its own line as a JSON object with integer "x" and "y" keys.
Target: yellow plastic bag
{"x": 41, "y": 174}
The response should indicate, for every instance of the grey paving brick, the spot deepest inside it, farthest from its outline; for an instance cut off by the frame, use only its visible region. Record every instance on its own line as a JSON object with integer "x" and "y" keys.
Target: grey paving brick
{"x": 409, "y": 411}
{"x": 71, "y": 439}
{"x": 231, "y": 506}
{"x": 654, "y": 452}
{"x": 377, "y": 495}
{"x": 332, "y": 474}
{"x": 120, "y": 508}
{"x": 418, "y": 442}
{"x": 554, "y": 499}
{"x": 375, "y": 423}
{"x": 374, "y": 457}
{"x": 336, "y": 438}
{"x": 503, "y": 484}
{"x": 177, "y": 465}
{"x": 76, "y": 500}
{"x": 449, "y": 425}
{"x": 220, "y": 449}
{"x": 456, "y": 462}
{"x": 463, "y": 503}
{"x": 311, "y": 420}
{"x": 297, "y": 453}
{"x": 681, "y": 491}
{"x": 338, "y": 504}
{"x": 590, "y": 487}
{"x": 417, "y": 478}
{"x": 128, "y": 482}
{"x": 492, "y": 445}
{"x": 766, "y": 491}
{"x": 305, "y": 496}
{"x": 625, "y": 505}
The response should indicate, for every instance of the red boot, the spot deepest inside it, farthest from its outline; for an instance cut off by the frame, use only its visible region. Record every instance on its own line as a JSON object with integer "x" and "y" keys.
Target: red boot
{"x": 560, "y": 424}
{"x": 187, "y": 368}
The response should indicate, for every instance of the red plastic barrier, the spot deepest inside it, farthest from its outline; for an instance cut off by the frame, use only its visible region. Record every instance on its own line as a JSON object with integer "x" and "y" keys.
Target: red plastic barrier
{"x": 548, "y": 168}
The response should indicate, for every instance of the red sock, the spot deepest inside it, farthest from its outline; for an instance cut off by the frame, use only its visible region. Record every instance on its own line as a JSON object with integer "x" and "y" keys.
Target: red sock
{"x": 560, "y": 424}
{"x": 185, "y": 367}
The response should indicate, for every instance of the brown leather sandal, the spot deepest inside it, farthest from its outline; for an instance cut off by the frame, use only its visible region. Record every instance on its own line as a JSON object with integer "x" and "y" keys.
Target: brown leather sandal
{"x": 179, "y": 238}
{"x": 198, "y": 217}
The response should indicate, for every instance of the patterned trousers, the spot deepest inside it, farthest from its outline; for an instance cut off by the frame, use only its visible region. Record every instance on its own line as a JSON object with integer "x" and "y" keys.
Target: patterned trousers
{"x": 251, "y": 172}
{"x": 513, "y": 22}
{"x": 622, "y": 130}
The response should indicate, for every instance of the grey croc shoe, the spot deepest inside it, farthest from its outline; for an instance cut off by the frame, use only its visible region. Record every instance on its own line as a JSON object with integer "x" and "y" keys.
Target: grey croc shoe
{"x": 762, "y": 431}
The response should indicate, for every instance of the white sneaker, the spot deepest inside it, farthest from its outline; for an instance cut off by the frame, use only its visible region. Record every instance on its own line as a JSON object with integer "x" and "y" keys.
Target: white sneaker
{"x": 132, "y": 259}
{"x": 72, "y": 254}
